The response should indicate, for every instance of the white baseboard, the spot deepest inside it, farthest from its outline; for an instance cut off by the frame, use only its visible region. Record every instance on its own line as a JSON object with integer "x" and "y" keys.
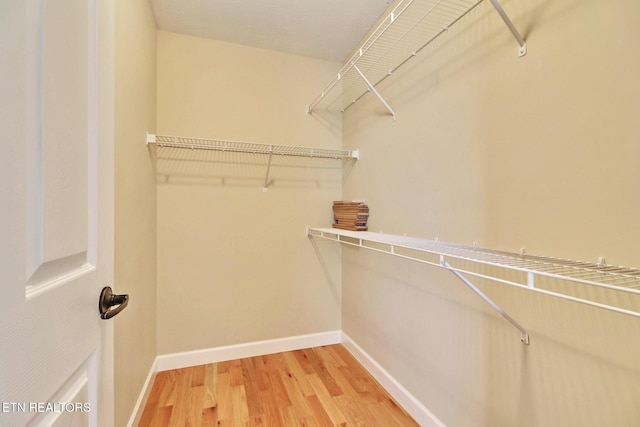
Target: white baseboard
{"x": 144, "y": 395}
{"x": 167, "y": 362}
{"x": 417, "y": 410}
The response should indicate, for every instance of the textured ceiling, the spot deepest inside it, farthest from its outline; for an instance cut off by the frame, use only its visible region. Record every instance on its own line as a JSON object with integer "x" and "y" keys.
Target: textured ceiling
{"x": 323, "y": 29}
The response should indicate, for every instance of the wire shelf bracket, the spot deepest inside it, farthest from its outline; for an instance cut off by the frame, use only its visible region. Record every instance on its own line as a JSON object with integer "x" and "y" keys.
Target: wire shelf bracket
{"x": 410, "y": 27}
{"x": 524, "y": 335}
{"x": 189, "y": 143}
{"x": 522, "y": 45}
{"x": 372, "y": 88}
{"x": 461, "y": 259}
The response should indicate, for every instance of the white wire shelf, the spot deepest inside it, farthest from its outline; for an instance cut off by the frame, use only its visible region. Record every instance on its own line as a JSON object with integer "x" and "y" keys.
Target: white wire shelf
{"x": 533, "y": 270}
{"x": 248, "y": 147}
{"x": 267, "y": 150}
{"x": 410, "y": 27}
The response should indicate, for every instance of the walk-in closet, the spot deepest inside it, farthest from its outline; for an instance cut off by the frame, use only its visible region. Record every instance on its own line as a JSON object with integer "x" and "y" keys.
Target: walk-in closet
{"x": 487, "y": 153}
{"x": 495, "y": 144}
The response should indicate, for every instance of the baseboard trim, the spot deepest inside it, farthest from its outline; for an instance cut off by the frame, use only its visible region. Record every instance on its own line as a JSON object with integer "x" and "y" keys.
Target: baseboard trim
{"x": 167, "y": 362}
{"x": 413, "y": 406}
{"x": 136, "y": 415}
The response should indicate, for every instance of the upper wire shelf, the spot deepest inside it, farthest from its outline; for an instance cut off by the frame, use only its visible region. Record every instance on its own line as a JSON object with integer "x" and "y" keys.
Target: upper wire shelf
{"x": 532, "y": 268}
{"x": 410, "y": 27}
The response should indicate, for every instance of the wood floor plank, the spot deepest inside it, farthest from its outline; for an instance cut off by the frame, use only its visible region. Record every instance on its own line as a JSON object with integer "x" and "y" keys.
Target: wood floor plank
{"x": 261, "y": 372}
{"x": 329, "y": 405}
{"x": 181, "y": 406}
{"x": 296, "y": 396}
{"x": 254, "y": 399}
{"x": 197, "y": 375}
{"x": 383, "y": 415}
{"x": 236, "y": 375}
{"x": 289, "y": 416}
{"x": 223, "y": 366}
{"x": 298, "y": 373}
{"x": 327, "y": 357}
{"x": 396, "y": 412}
{"x": 168, "y": 381}
{"x": 332, "y": 368}
{"x": 351, "y": 362}
{"x": 209, "y": 417}
{"x": 319, "y": 412}
{"x": 275, "y": 362}
{"x": 156, "y": 392}
{"x": 309, "y": 422}
{"x": 303, "y": 361}
{"x": 210, "y": 399}
{"x": 323, "y": 373}
{"x": 162, "y": 417}
{"x": 353, "y": 414}
{"x": 277, "y": 388}
{"x": 240, "y": 409}
{"x": 225, "y": 404}
{"x": 354, "y": 381}
{"x": 194, "y": 409}
{"x": 272, "y": 415}
{"x": 336, "y": 354}
{"x": 150, "y": 411}
{"x": 316, "y": 387}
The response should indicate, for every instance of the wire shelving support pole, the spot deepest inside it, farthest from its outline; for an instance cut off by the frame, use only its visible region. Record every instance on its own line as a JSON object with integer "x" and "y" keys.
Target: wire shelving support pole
{"x": 266, "y": 178}
{"x": 373, "y": 89}
{"x": 524, "y": 335}
{"x": 523, "y": 45}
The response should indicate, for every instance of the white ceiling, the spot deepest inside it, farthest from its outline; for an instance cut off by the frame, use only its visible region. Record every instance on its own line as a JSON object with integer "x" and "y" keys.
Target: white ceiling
{"x": 322, "y": 29}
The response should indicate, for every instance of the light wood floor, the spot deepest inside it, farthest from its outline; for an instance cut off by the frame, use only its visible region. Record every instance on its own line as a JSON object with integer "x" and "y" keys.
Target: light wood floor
{"x": 321, "y": 386}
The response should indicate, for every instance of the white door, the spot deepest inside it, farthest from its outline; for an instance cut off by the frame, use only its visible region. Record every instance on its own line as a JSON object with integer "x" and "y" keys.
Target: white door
{"x": 56, "y": 212}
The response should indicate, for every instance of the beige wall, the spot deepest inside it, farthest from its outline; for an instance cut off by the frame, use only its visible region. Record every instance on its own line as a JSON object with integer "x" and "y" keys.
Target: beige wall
{"x": 538, "y": 152}
{"x": 534, "y": 152}
{"x": 135, "y": 201}
{"x": 234, "y": 264}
